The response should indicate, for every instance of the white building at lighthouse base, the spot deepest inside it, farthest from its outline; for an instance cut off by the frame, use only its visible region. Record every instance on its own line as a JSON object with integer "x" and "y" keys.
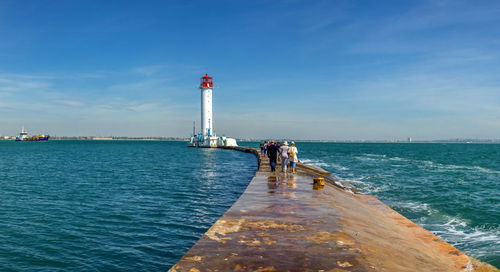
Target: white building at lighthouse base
{"x": 211, "y": 141}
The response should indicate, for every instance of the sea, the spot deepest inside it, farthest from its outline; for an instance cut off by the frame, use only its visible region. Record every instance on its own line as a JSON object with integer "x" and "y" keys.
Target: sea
{"x": 111, "y": 205}
{"x": 140, "y": 205}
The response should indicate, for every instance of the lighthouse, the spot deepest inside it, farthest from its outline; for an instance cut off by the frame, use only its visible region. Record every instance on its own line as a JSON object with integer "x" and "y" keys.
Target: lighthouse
{"x": 207, "y": 137}
{"x": 206, "y": 86}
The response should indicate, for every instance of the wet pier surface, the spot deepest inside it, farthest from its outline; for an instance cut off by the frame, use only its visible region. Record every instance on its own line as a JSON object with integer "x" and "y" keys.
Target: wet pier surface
{"x": 284, "y": 223}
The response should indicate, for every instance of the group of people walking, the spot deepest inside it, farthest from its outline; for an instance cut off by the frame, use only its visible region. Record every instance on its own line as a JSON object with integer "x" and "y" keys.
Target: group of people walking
{"x": 286, "y": 154}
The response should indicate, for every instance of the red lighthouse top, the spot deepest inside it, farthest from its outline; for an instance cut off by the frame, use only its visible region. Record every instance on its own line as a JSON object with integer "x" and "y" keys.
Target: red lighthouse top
{"x": 206, "y": 82}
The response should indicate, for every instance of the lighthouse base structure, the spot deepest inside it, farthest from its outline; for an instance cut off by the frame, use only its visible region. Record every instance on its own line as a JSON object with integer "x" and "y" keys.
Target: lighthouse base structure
{"x": 211, "y": 141}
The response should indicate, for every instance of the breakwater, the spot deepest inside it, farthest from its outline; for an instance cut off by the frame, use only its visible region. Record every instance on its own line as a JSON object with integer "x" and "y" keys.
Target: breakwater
{"x": 284, "y": 223}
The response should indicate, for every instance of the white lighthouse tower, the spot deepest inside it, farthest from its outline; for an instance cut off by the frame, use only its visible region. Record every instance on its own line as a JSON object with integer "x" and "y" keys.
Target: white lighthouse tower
{"x": 206, "y": 86}
{"x": 207, "y": 136}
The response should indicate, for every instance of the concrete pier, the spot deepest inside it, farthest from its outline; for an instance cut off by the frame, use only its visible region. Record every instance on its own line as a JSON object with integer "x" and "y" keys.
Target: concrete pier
{"x": 284, "y": 223}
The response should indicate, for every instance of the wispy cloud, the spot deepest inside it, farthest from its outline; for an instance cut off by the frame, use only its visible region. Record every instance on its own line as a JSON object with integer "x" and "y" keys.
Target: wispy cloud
{"x": 166, "y": 68}
{"x": 150, "y": 70}
{"x": 21, "y": 83}
{"x": 72, "y": 103}
{"x": 138, "y": 85}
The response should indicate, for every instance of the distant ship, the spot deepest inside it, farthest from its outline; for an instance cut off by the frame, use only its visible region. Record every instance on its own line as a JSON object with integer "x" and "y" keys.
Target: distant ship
{"x": 23, "y": 136}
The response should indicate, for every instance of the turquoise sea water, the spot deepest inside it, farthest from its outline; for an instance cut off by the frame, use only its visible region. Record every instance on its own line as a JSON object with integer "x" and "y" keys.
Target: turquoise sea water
{"x": 139, "y": 206}
{"x": 111, "y": 206}
{"x": 453, "y": 190}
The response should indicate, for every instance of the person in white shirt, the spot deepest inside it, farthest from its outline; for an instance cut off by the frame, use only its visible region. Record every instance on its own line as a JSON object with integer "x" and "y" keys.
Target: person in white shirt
{"x": 284, "y": 156}
{"x": 292, "y": 155}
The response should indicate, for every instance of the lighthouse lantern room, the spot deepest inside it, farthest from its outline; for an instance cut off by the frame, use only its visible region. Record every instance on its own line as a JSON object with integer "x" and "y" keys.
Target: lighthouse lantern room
{"x": 206, "y": 82}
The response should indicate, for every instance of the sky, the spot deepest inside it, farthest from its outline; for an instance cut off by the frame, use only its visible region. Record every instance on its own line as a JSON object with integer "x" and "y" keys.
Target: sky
{"x": 328, "y": 70}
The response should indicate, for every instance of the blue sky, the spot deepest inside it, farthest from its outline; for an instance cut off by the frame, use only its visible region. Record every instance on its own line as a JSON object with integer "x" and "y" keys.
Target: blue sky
{"x": 284, "y": 69}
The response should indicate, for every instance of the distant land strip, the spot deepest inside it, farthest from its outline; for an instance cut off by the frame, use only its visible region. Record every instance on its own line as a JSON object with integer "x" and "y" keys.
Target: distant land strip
{"x": 145, "y": 138}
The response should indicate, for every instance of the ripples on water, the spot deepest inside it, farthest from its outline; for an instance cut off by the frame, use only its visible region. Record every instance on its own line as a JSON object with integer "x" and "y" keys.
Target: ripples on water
{"x": 450, "y": 189}
{"x": 111, "y": 206}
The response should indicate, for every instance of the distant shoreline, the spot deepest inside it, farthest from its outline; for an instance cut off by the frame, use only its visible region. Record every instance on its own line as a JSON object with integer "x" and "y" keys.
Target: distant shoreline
{"x": 96, "y": 138}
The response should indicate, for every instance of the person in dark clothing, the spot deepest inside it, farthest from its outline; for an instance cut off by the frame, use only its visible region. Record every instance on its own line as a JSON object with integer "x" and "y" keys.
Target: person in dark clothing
{"x": 272, "y": 154}
{"x": 263, "y": 148}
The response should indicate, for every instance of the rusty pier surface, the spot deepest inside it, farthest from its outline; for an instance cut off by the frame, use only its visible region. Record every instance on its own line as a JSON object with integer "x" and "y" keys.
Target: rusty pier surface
{"x": 284, "y": 223}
